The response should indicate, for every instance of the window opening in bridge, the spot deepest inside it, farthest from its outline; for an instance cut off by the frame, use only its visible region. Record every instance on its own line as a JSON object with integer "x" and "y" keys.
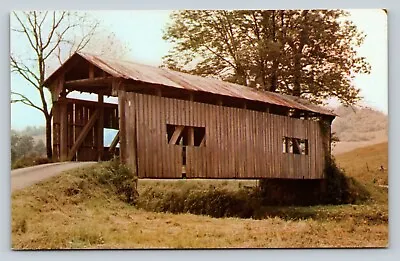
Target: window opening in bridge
{"x": 186, "y": 135}
{"x": 109, "y": 137}
{"x": 295, "y": 145}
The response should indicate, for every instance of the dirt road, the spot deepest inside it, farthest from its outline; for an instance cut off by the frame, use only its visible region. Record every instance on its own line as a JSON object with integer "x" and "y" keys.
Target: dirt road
{"x": 21, "y": 178}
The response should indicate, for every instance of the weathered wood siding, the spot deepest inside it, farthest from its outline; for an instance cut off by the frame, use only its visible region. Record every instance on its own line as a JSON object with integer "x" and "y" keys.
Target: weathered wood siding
{"x": 240, "y": 143}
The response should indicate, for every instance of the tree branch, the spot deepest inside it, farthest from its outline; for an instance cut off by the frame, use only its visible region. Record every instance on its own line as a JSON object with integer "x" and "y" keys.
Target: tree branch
{"x": 24, "y": 71}
{"x": 25, "y": 100}
{"x": 25, "y": 31}
{"x": 54, "y": 26}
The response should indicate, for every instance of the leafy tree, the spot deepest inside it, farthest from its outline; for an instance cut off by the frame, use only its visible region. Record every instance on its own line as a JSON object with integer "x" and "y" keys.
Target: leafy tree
{"x": 24, "y": 146}
{"x": 51, "y": 37}
{"x": 40, "y": 148}
{"x": 14, "y": 141}
{"x": 33, "y": 130}
{"x": 306, "y": 53}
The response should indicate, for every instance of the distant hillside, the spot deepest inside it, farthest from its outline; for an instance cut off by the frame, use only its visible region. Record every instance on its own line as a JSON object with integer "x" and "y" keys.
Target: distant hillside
{"x": 365, "y": 163}
{"x": 33, "y": 131}
{"x": 358, "y": 127}
{"x": 36, "y": 132}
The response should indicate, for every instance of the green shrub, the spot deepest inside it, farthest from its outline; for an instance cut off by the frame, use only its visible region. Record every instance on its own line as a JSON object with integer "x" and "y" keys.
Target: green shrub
{"x": 119, "y": 179}
{"x": 341, "y": 189}
{"x": 215, "y": 202}
{"x": 29, "y": 161}
{"x": 107, "y": 179}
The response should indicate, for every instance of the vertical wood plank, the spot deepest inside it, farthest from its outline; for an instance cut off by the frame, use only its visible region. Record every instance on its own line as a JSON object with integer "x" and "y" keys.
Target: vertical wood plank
{"x": 63, "y": 129}
{"x": 122, "y": 125}
{"x": 208, "y": 139}
{"x": 213, "y": 145}
{"x": 230, "y": 144}
{"x": 139, "y": 128}
{"x": 255, "y": 143}
{"x": 100, "y": 127}
{"x": 151, "y": 138}
{"x": 260, "y": 139}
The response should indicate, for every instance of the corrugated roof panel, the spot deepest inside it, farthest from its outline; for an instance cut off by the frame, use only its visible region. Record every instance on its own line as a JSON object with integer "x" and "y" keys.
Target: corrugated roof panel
{"x": 166, "y": 77}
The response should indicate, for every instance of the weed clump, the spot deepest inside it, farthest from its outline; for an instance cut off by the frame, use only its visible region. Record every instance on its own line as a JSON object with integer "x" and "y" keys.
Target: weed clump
{"x": 29, "y": 161}
{"x": 341, "y": 189}
{"x": 215, "y": 202}
{"x": 108, "y": 179}
{"x": 120, "y": 179}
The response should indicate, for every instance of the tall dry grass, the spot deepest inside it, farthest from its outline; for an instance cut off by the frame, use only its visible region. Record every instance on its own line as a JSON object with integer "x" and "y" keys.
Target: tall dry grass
{"x": 88, "y": 208}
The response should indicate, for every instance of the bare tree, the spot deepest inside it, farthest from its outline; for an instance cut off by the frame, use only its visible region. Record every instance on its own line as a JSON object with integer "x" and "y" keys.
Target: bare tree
{"x": 51, "y": 36}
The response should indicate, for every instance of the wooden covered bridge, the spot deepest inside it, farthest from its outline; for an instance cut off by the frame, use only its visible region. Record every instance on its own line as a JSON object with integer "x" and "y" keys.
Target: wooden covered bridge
{"x": 174, "y": 125}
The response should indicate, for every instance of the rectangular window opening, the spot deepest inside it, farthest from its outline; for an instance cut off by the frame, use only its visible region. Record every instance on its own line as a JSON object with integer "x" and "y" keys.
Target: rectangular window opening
{"x": 186, "y": 135}
{"x": 109, "y": 136}
{"x": 295, "y": 145}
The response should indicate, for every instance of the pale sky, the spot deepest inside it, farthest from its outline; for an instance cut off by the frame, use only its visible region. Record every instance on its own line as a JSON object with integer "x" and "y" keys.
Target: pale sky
{"x": 142, "y": 31}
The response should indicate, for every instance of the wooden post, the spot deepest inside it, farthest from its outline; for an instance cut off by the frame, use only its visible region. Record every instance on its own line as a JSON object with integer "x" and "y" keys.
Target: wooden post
{"x": 56, "y": 131}
{"x": 100, "y": 127}
{"x": 176, "y": 134}
{"x": 122, "y": 123}
{"x": 132, "y": 141}
{"x": 63, "y": 127}
{"x": 191, "y": 136}
{"x": 325, "y": 125}
{"x": 286, "y": 144}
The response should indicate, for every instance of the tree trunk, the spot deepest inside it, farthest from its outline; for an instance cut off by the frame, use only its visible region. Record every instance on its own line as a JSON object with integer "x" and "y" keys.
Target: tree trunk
{"x": 274, "y": 77}
{"x": 297, "y": 75}
{"x": 49, "y": 148}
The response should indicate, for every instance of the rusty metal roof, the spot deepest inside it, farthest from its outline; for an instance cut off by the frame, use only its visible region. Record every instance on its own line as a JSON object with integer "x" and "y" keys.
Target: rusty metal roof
{"x": 167, "y": 77}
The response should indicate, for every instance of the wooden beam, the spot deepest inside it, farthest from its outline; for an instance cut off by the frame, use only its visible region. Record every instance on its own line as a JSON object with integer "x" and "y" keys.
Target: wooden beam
{"x": 122, "y": 122}
{"x": 83, "y": 135}
{"x": 56, "y": 131}
{"x": 177, "y": 133}
{"x": 58, "y": 87}
{"x": 203, "y": 141}
{"x": 63, "y": 129}
{"x": 99, "y": 81}
{"x": 191, "y": 136}
{"x": 90, "y": 103}
{"x": 114, "y": 143}
{"x": 100, "y": 127}
{"x": 296, "y": 146}
{"x": 116, "y": 85}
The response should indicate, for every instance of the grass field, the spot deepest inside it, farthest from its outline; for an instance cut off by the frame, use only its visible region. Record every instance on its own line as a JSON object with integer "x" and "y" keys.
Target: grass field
{"x": 70, "y": 211}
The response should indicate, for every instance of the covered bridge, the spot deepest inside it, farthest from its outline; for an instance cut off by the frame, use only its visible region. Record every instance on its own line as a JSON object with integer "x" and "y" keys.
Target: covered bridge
{"x": 174, "y": 125}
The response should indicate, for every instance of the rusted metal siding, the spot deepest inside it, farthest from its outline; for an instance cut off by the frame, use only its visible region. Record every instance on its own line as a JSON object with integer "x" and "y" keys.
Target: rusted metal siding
{"x": 240, "y": 143}
{"x": 165, "y": 77}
